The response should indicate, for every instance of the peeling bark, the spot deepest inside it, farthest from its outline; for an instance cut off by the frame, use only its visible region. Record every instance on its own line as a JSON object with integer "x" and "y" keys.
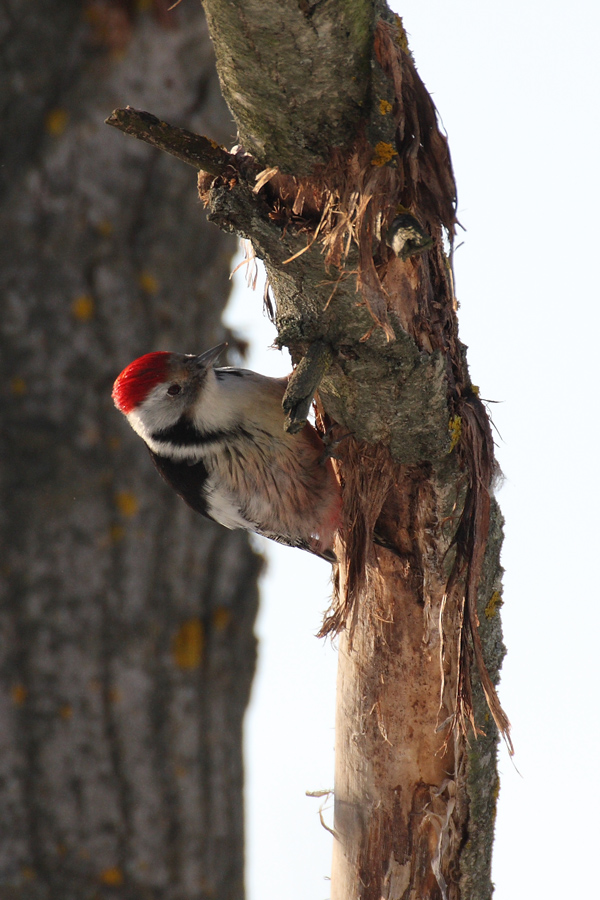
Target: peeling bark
{"x": 415, "y": 775}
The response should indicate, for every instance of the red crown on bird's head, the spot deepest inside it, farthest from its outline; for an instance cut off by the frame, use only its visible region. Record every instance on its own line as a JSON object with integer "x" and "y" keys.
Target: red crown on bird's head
{"x": 136, "y": 381}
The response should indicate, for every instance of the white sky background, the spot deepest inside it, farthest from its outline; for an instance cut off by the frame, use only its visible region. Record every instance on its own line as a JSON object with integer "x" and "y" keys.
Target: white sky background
{"x": 517, "y": 85}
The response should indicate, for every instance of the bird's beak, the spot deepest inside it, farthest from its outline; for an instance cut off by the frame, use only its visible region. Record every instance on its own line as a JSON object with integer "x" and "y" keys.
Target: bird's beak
{"x": 209, "y": 357}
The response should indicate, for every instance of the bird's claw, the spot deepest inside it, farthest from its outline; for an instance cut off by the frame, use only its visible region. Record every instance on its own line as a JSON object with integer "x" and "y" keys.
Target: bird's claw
{"x": 330, "y": 443}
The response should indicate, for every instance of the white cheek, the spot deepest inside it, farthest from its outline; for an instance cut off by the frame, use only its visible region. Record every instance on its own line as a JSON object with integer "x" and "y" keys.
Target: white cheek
{"x": 157, "y": 412}
{"x": 137, "y": 423}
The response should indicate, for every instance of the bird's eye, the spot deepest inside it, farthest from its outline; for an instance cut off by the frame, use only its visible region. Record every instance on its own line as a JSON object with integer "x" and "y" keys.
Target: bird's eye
{"x": 173, "y": 389}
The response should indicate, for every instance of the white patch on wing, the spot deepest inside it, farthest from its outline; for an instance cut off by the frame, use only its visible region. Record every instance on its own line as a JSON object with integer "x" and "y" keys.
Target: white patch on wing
{"x": 223, "y": 508}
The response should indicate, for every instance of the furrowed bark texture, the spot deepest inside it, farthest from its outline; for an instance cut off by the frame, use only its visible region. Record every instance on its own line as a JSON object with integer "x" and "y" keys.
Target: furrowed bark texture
{"x": 356, "y": 261}
{"x": 127, "y": 620}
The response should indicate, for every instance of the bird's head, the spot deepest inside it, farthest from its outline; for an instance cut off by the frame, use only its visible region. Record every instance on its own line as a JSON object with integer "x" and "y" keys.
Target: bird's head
{"x": 159, "y": 390}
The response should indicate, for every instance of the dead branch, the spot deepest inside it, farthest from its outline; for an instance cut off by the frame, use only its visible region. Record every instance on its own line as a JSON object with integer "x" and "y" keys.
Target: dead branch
{"x": 190, "y": 148}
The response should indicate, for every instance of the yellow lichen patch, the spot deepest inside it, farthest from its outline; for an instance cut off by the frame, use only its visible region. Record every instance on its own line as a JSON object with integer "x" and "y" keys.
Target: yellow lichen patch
{"x": 18, "y": 694}
{"x": 383, "y": 154}
{"x": 475, "y": 389}
{"x": 104, "y": 228}
{"x": 496, "y": 791}
{"x": 82, "y": 308}
{"x": 18, "y": 387}
{"x": 117, "y": 533}
{"x": 221, "y": 618}
{"x": 188, "y": 644}
{"x": 401, "y": 34}
{"x": 148, "y": 282}
{"x": 144, "y": 5}
{"x": 56, "y": 121}
{"x": 385, "y": 107}
{"x": 494, "y": 604}
{"x": 127, "y": 503}
{"x": 66, "y": 712}
{"x": 455, "y": 429}
{"x": 112, "y": 876}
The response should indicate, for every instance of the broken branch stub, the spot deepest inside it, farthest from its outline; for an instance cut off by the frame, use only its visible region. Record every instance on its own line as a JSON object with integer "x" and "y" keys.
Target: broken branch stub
{"x": 193, "y": 149}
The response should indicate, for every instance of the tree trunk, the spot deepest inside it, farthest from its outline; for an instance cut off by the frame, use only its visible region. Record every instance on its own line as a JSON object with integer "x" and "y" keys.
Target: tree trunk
{"x": 128, "y": 645}
{"x": 356, "y": 232}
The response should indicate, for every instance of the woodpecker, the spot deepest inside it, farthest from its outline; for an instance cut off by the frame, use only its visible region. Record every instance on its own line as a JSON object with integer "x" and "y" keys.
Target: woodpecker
{"x": 216, "y": 436}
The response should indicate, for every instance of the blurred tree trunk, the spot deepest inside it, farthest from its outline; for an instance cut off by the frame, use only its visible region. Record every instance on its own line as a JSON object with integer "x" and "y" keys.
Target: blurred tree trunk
{"x": 127, "y": 646}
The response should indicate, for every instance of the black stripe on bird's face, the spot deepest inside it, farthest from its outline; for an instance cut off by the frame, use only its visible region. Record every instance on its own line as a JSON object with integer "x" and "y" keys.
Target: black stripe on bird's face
{"x": 185, "y": 434}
